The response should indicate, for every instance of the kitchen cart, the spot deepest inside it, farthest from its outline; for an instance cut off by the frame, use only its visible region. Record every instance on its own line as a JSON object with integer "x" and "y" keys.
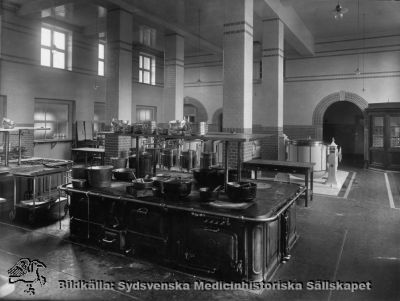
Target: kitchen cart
{"x": 35, "y": 190}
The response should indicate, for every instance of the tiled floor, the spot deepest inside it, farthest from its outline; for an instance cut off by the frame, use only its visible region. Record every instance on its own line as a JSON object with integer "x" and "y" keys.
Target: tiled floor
{"x": 341, "y": 239}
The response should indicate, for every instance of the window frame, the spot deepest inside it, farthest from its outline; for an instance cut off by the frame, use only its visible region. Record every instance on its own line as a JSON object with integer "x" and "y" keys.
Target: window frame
{"x": 53, "y": 48}
{"x": 70, "y": 115}
{"x": 151, "y": 70}
{"x": 153, "y": 110}
{"x": 99, "y": 59}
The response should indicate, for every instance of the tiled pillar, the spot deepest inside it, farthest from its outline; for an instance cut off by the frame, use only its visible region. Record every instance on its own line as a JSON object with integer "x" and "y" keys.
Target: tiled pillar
{"x": 174, "y": 73}
{"x": 238, "y": 66}
{"x": 119, "y": 65}
{"x": 116, "y": 145}
{"x": 272, "y": 89}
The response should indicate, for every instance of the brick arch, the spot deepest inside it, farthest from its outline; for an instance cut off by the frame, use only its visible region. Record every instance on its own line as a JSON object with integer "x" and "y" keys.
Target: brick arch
{"x": 319, "y": 111}
{"x": 201, "y": 110}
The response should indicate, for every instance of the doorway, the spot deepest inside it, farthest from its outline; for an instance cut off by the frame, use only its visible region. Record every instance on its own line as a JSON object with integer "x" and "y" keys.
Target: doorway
{"x": 344, "y": 121}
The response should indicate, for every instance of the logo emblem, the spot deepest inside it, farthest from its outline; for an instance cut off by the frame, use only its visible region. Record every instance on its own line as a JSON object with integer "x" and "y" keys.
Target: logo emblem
{"x": 28, "y": 271}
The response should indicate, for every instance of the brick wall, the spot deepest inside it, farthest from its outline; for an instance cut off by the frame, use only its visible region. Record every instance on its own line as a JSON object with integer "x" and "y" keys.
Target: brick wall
{"x": 270, "y": 147}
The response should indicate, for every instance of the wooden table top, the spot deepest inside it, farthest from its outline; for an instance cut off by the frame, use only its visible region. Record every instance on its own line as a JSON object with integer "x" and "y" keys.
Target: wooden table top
{"x": 89, "y": 149}
{"x": 261, "y": 162}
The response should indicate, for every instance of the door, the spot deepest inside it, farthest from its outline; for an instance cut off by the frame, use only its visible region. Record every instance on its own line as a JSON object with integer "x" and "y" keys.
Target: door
{"x": 377, "y": 141}
{"x": 393, "y": 142}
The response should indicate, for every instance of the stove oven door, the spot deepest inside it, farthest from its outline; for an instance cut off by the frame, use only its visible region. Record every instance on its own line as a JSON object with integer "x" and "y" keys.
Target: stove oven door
{"x": 211, "y": 250}
{"x": 147, "y": 230}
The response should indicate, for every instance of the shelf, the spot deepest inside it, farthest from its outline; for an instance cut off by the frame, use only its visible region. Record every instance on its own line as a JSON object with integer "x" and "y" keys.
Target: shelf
{"x": 210, "y": 136}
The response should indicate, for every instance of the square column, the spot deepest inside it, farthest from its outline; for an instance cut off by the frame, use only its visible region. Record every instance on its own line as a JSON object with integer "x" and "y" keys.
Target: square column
{"x": 119, "y": 65}
{"x": 174, "y": 78}
{"x": 272, "y": 89}
{"x": 238, "y": 66}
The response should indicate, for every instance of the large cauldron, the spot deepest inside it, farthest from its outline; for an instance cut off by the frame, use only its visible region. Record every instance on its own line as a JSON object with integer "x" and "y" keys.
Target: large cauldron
{"x": 100, "y": 176}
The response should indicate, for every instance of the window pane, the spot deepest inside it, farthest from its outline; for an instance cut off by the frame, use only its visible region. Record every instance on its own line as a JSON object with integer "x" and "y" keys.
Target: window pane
{"x": 46, "y": 37}
{"x": 63, "y": 130}
{"x": 146, "y": 78}
{"x": 57, "y": 112}
{"x": 101, "y": 51}
{"x": 58, "y": 59}
{"x": 45, "y": 57}
{"x": 101, "y": 68}
{"x": 146, "y": 63}
{"x": 40, "y": 112}
{"x": 59, "y": 40}
{"x": 140, "y": 61}
{"x": 39, "y": 134}
{"x": 140, "y": 76}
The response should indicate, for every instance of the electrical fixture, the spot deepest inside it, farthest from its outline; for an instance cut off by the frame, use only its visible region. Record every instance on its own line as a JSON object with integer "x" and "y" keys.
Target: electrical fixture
{"x": 339, "y": 11}
{"x": 357, "y": 71}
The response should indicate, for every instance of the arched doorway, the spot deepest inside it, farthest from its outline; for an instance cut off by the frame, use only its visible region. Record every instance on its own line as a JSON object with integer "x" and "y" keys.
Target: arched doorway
{"x": 326, "y": 102}
{"x": 344, "y": 121}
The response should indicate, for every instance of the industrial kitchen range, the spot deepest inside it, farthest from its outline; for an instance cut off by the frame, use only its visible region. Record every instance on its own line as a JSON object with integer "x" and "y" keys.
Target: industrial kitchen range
{"x": 180, "y": 201}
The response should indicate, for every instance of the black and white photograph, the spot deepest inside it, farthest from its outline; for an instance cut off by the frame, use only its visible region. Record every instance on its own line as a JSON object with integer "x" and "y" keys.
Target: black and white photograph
{"x": 200, "y": 150}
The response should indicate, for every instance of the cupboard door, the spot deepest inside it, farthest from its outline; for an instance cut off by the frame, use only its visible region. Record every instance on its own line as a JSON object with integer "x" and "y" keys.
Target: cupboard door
{"x": 377, "y": 141}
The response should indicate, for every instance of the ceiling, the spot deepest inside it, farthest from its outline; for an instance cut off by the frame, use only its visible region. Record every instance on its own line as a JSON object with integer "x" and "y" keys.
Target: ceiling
{"x": 205, "y": 18}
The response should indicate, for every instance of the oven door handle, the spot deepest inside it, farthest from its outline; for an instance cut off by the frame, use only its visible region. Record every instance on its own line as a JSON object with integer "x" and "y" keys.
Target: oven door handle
{"x": 108, "y": 241}
{"x": 143, "y": 211}
{"x": 215, "y": 230}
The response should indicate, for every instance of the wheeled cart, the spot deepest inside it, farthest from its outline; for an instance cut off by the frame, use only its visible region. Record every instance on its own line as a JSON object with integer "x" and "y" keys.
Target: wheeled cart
{"x": 35, "y": 192}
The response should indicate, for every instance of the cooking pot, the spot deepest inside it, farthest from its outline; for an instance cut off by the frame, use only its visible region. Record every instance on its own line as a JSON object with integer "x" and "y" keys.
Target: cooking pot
{"x": 207, "y": 194}
{"x": 142, "y": 183}
{"x": 118, "y": 162}
{"x": 158, "y": 184}
{"x": 188, "y": 159}
{"x": 169, "y": 157}
{"x": 176, "y": 189}
{"x": 79, "y": 183}
{"x": 239, "y": 192}
{"x": 207, "y": 159}
{"x": 124, "y": 174}
{"x": 209, "y": 177}
{"x": 78, "y": 172}
{"x": 99, "y": 176}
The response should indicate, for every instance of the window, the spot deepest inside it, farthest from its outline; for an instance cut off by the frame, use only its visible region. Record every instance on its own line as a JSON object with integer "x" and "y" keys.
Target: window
{"x": 56, "y": 115}
{"x": 146, "y": 113}
{"x": 99, "y": 118}
{"x": 100, "y": 70}
{"x": 147, "y": 69}
{"x": 53, "y": 47}
{"x": 147, "y": 36}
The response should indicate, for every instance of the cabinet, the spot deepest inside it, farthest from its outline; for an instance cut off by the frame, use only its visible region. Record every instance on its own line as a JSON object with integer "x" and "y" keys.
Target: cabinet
{"x": 383, "y": 123}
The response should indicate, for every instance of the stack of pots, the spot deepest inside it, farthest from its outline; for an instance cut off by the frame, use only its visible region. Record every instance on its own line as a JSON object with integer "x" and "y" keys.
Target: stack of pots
{"x": 79, "y": 176}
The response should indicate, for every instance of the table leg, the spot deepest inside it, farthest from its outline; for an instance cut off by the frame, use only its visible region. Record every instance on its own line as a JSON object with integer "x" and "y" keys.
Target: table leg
{"x": 306, "y": 183}
{"x": 311, "y": 184}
